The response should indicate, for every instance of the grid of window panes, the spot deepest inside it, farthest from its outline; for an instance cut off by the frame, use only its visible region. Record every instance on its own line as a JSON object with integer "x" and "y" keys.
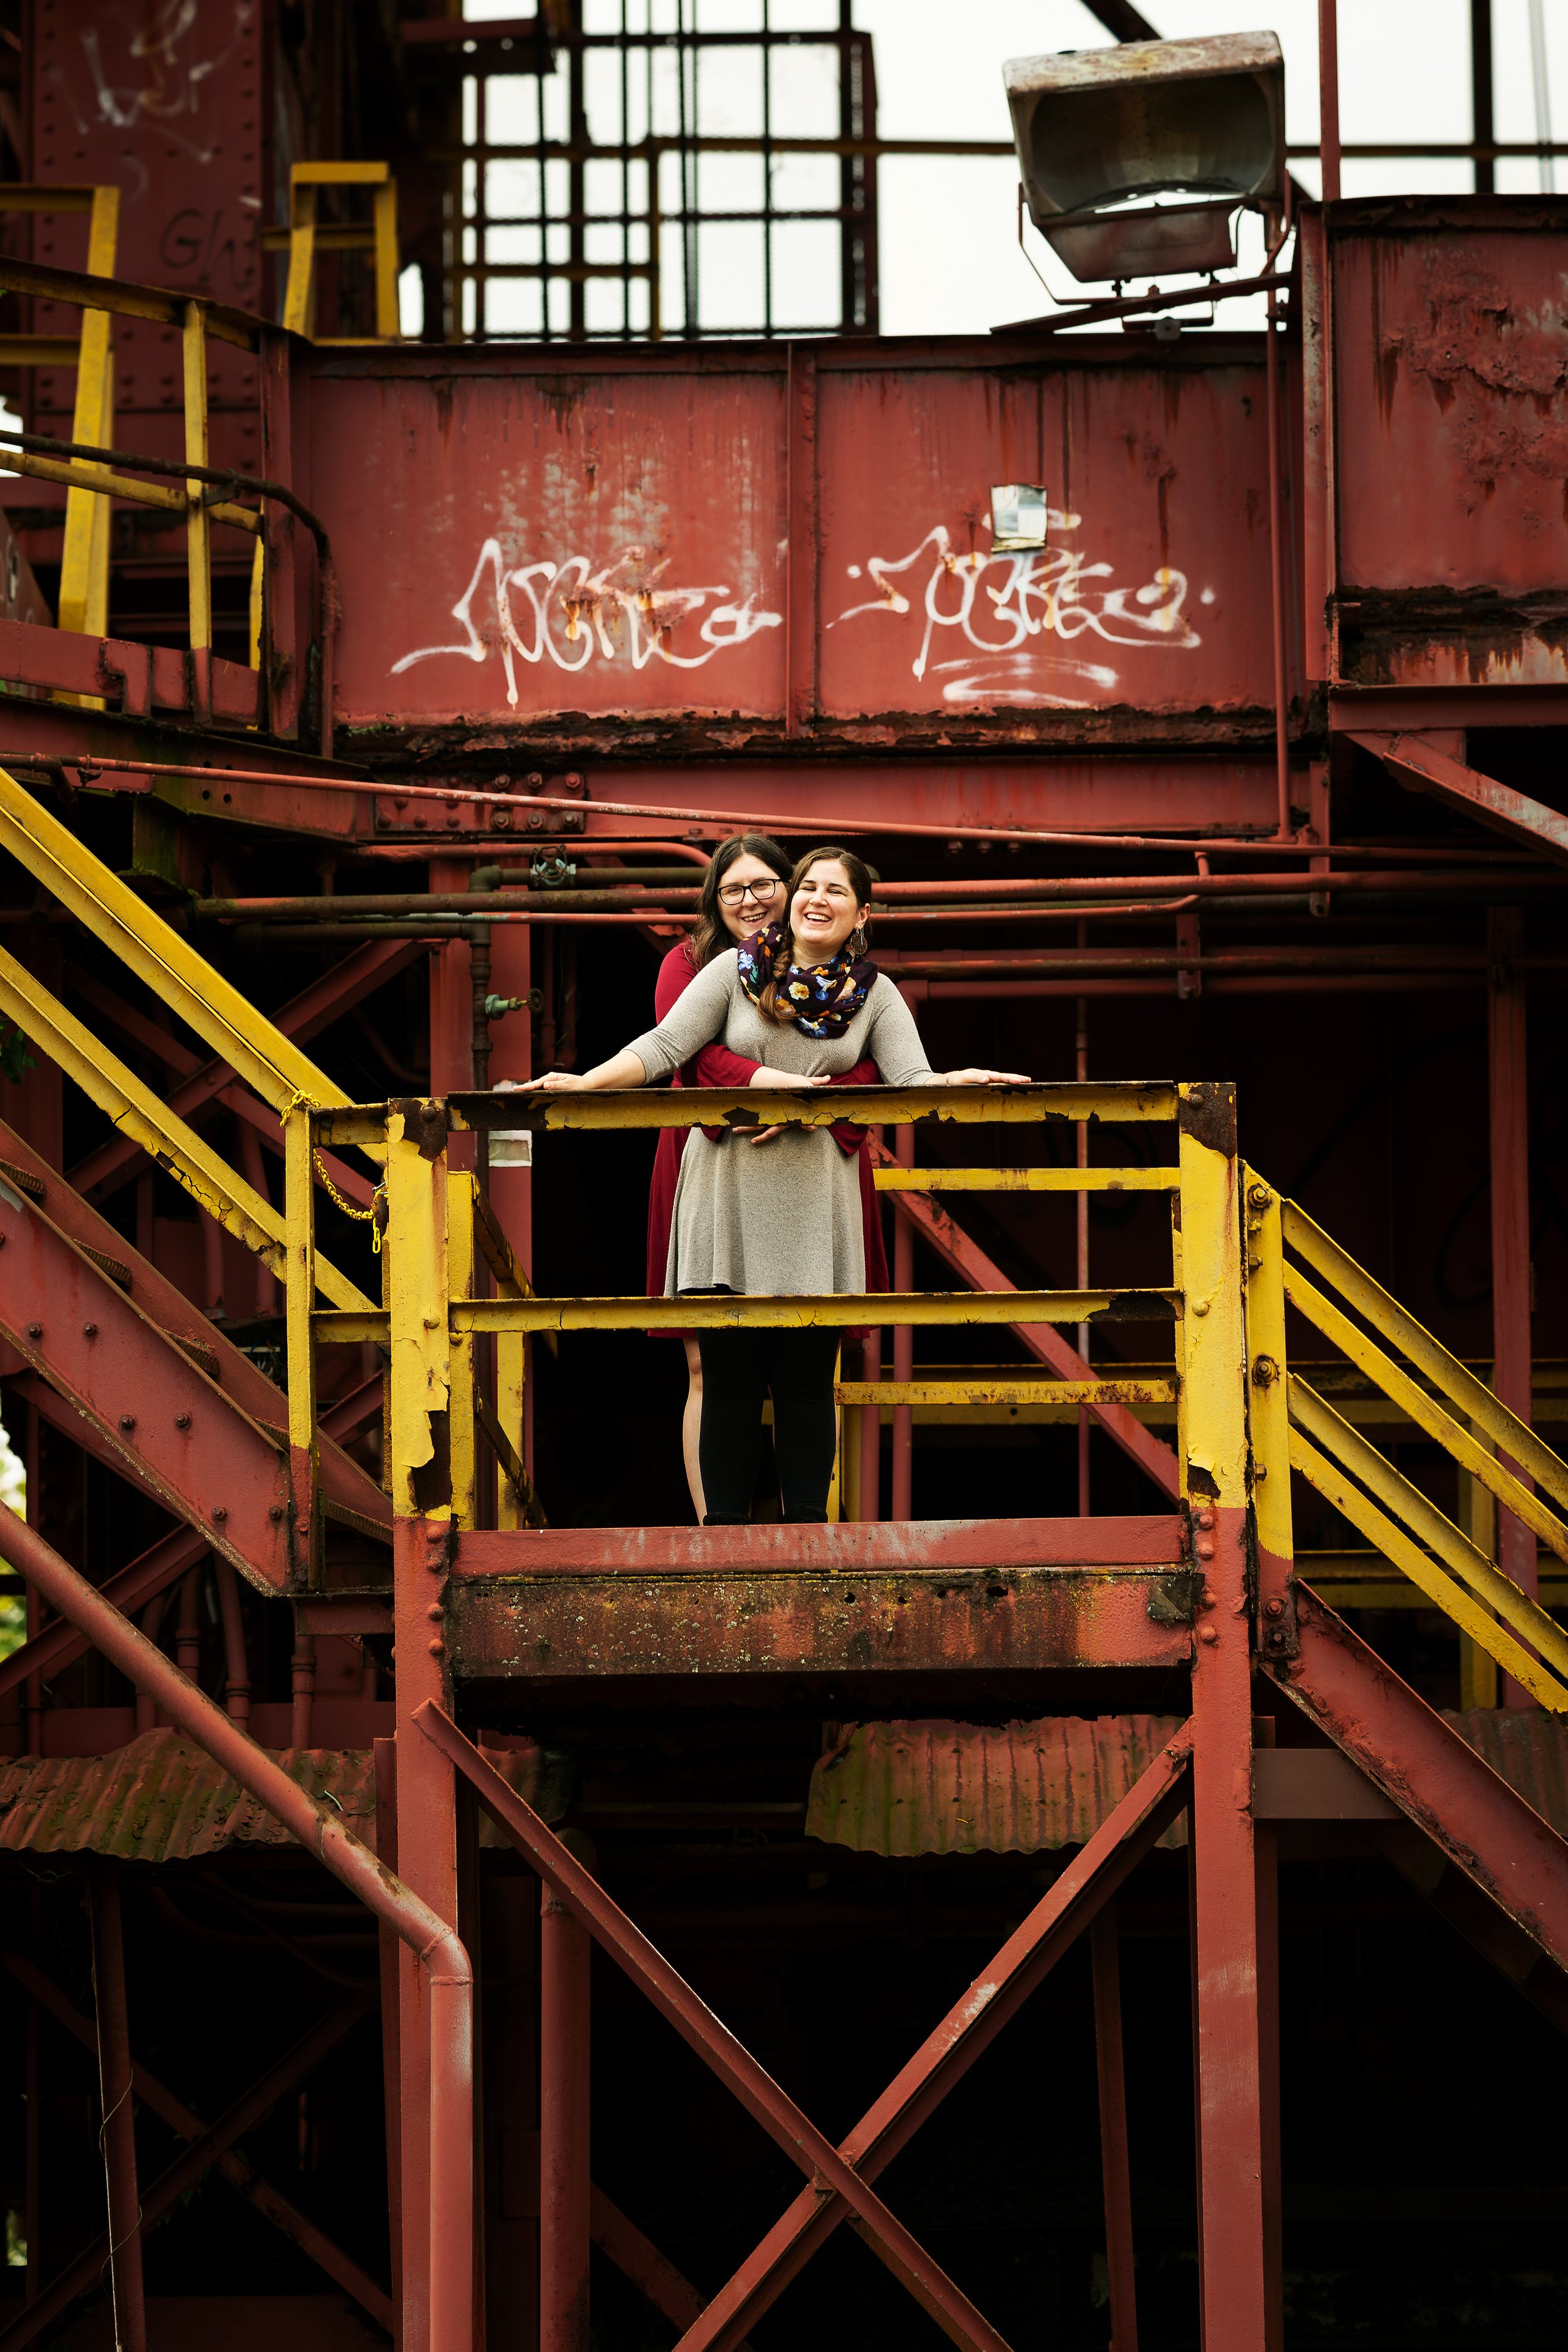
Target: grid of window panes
{"x": 682, "y": 168}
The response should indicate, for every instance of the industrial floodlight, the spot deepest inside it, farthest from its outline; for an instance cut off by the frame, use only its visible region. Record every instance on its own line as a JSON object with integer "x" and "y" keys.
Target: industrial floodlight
{"x": 1101, "y": 135}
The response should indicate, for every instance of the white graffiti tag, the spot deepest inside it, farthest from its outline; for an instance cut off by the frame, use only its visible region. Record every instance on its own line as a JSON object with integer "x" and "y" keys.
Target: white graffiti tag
{"x": 564, "y": 613}
{"x": 997, "y": 602}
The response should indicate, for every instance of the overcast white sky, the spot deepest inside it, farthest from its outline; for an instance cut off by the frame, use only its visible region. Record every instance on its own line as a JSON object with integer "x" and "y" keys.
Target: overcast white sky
{"x": 950, "y": 258}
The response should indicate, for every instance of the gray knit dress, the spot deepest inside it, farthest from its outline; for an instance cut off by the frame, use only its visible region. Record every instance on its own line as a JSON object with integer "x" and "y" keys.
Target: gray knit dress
{"x": 780, "y": 1218}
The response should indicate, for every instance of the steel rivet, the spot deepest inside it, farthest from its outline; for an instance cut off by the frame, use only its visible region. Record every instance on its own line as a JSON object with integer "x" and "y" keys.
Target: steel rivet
{"x": 1208, "y": 1634}
{"x": 1205, "y": 1549}
{"x": 128, "y": 1421}
{"x": 90, "y": 1330}
{"x": 1274, "y": 1609}
{"x": 275, "y": 1510}
{"x": 1200, "y": 1307}
{"x": 220, "y": 1513}
{"x": 181, "y": 1420}
{"x": 34, "y": 1330}
{"x": 435, "y": 1612}
{"x": 438, "y": 1649}
{"x": 1204, "y": 1520}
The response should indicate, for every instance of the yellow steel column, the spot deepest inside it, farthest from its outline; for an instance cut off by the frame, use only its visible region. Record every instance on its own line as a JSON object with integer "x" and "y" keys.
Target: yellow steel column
{"x": 1235, "y": 2282}
{"x": 512, "y": 1412}
{"x": 384, "y": 209}
{"x": 415, "y": 1250}
{"x": 1270, "y": 1418}
{"x": 299, "y": 294}
{"x": 299, "y": 1301}
{"x": 198, "y": 536}
{"x": 462, "y": 1359}
{"x": 84, "y": 562}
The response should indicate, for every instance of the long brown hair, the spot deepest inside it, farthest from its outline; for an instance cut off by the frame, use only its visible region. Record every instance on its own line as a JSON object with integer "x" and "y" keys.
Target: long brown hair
{"x": 710, "y": 936}
{"x": 861, "y": 880}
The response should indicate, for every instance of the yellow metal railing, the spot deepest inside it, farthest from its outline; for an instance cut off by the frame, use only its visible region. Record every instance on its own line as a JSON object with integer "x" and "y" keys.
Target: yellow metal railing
{"x": 441, "y": 1247}
{"x": 306, "y": 237}
{"x": 1293, "y": 1263}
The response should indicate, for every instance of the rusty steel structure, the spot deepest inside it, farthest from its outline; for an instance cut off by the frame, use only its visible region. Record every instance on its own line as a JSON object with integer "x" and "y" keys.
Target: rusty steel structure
{"x": 450, "y": 1898}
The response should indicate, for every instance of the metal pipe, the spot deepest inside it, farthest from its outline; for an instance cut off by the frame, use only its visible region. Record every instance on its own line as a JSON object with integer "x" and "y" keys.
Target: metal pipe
{"x": 236, "y": 1665}
{"x": 116, "y": 2135}
{"x": 565, "y": 1957}
{"x": 323, "y": 1834}
{"x": 1329, "y": 97}
{"x": 1277, "y": 572}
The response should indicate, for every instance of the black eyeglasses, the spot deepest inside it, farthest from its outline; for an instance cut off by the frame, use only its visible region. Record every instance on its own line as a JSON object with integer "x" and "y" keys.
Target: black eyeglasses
{"x": 732, "y": 893}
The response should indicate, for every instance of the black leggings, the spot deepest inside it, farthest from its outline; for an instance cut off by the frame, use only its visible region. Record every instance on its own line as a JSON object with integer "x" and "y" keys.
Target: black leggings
{"x": 739, "y": 1369}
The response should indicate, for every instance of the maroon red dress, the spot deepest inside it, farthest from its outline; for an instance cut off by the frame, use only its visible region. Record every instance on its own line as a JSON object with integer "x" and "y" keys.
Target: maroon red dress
{"x": 715, "y": 1066}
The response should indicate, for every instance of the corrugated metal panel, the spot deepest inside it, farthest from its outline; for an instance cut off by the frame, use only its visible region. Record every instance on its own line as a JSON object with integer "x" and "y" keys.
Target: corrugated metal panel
{"x": 162, "y": 1798}
{"x": 967, "y": 1788}
{"x": 1528, "y": 1749}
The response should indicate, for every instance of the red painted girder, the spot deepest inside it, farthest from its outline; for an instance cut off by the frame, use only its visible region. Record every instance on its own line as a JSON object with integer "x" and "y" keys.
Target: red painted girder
{"x": 948, "y": 2051}
{"x": 853, "y": 1547}
{"x": 1439, "y": 1782}
{"x": 969, "y": 1261}
{"x": 673, "y": 1997}
{"x": 167, "y": 1306}
{"x": 164, "y": 1563}
{"x": 1424, "y": 767}
{"x": 336, "y": 992}
{"x": 138, "y": 679}
{"x": 173, "y": 1431}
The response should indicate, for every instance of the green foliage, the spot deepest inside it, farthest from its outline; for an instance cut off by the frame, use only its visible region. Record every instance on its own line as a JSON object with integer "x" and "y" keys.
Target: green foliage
{"x": 14, "y": 1058}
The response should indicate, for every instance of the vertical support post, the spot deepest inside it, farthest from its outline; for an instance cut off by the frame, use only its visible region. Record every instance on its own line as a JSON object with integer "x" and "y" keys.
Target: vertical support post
{"x": 385, "y": 1764}
{"x": 564, "y": 1964}
{"x": 1080, "y": 1071}
{"x": 1269, "y": 1419}
{"x": 1507, "y": 1086}
{"x": 1266, "y": 1851}
{"x": 383, "y": 213}
{"x": 1114, "y": 2160}
{"x": 462, "y": 1420}
{"x": 901, "y": 1503}
{"x": 282, "y": 638}
{"x": 198, "y": 533}
{"x": 452, "y": 1010}
{"x": 84, "y": 561}
{"x": 414, "y": 1250}
{"x": 299, "y": 292}
{"x": 870, "y": 1488}
{"x": 1329, "y": 97}
{"x": 301, "y": 1686}
{"x": 299, "y": 1301}
{"x": 1232, "y": 2285}
{"x": 1483, "y": 129}
{"x": 114, "y": 2090}
{"x": 511, "y": 1179}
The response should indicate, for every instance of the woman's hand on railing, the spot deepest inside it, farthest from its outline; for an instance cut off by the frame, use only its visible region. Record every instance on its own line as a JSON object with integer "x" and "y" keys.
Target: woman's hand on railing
{"x": 622, "y": 1070}
{"x": 775, "y": 1082}
{"x": 984, "y": 1078}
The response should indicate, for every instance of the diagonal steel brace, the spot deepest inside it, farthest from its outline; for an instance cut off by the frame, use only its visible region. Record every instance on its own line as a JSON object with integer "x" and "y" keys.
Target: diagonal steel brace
{"x": 949, "y": 2051}
{"x": 736, "y": 2068}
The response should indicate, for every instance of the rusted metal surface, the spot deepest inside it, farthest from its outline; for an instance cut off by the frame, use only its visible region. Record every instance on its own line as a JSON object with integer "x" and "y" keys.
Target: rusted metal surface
{"x": 767, "y": 1609}
{"x": 1449, "y": 358}
{"x": 927, "y": 1787}
{"x": 1477, "y": 1819}
{"x": 164, "y": 1799}
{"x": 630, "y": 562}
{"x": 1424, "y": 766}
{"x": 1525, "y": 1747}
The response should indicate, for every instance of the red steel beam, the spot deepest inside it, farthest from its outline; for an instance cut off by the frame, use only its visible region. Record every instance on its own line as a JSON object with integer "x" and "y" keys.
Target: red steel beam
{"x": 565, "y": 1958}
{"x": 342, "y": 1480}
{"x": 1115, "y": 2167}
{"x": 173, "y": 1429}
{"x": 995, "y": 1998}
{"x": 1405, "y": 1748}
{"x": 837, "y": 2178}
{"x": 209, "y": 2147}
{"x": 447, "y": 1980}
{"x": 1422, "y": 767}
{"x": 673, "y": 1997}
{"x": 970, "y": 1262}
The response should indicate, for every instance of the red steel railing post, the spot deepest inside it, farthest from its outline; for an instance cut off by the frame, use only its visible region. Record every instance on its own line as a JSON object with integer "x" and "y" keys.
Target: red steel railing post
{"x": 565, "y": 1956}
{"x": 119, "y": 2130}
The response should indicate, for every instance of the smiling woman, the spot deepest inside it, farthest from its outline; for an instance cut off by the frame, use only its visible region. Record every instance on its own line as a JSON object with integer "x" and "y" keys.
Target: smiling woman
{"x": 777, "y": 1215}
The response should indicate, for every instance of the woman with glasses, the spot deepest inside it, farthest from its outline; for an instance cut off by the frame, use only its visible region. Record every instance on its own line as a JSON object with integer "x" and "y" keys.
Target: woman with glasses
{"x": 743, "y": 891}
{"x": 777, "y": 1214}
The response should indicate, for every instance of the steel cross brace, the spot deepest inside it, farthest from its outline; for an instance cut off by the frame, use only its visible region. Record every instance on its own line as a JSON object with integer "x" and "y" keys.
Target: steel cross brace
{"x": 838, "y": 2191}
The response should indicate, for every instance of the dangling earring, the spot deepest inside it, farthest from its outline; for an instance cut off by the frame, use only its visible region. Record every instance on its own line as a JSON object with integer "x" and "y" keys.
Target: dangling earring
{"x": 858, "y": 941}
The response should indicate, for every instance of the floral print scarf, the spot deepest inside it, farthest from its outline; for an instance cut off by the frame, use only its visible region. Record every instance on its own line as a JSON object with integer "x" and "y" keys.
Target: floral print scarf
{"x": 825, "y": 997}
